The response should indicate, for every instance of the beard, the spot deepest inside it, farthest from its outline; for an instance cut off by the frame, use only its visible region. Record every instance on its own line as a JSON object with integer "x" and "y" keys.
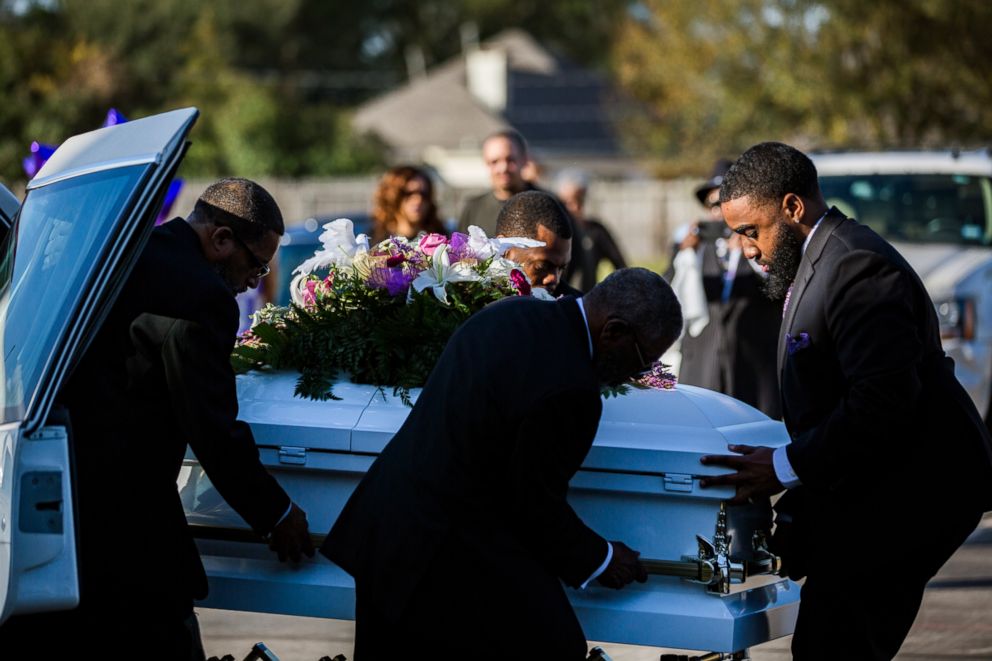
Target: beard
{"x": 784, "y": 263}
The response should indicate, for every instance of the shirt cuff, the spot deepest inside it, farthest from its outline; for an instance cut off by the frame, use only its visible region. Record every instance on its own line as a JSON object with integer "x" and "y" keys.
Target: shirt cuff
{"x": 783, "y": 469}
{"x": 602, "y": 567}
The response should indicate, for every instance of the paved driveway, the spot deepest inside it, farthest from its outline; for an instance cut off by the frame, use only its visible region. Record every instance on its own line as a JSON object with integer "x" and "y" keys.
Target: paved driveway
{"x": 955, "y": 621}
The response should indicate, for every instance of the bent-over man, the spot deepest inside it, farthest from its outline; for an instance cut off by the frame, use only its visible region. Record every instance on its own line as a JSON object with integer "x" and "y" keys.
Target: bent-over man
{"x": 460, "y": 533}
{"x": 156, "y": 379}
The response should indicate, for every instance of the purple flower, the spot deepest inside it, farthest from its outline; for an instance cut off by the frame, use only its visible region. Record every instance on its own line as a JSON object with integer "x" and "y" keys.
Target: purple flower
{"x": 798, "y": 343}
{"x": 520, "y": 282}
{"x": 394, "y": 280}
{"x": 431, "y": 242}
{"x": 659, "y": 378}
{"x": 459, "y": 247}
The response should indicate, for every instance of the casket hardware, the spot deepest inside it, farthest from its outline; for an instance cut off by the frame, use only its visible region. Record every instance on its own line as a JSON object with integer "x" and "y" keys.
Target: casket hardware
{"x": 292, "y": 455}
{"x": 717, "y": 553}
{"x": 763, "y": 561}
{"x": 678, "y": 482}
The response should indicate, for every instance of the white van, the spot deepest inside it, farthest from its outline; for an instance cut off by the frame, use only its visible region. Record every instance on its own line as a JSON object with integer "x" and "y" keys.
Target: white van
{"x": 935, "y": 207}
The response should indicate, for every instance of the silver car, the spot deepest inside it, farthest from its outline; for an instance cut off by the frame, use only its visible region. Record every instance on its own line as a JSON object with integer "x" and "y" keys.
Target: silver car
{"x": 935, "y": 207}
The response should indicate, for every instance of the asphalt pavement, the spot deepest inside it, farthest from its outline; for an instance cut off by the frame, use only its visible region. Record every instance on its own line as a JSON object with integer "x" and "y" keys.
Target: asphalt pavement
{"x": 955, "y": 621}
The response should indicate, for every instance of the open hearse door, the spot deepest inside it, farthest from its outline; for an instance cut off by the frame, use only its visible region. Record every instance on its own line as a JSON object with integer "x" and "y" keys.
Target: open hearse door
{"x": 84, "y": 219}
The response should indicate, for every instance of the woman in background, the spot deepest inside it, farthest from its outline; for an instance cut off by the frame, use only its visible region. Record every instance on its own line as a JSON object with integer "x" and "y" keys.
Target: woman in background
{"x": 404, "y": 205}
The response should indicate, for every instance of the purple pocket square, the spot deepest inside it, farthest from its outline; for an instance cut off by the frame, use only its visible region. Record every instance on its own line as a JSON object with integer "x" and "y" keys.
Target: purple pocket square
{"x": 798, "y": 343}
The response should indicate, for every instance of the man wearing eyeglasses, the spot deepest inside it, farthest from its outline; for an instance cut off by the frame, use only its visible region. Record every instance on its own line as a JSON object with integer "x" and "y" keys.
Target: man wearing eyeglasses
{"x": 156, "y": 380}
{"x": 460, "y": 533}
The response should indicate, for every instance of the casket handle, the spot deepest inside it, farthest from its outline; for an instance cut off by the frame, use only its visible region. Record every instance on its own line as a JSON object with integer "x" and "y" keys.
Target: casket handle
{"x": 701, "y": 571}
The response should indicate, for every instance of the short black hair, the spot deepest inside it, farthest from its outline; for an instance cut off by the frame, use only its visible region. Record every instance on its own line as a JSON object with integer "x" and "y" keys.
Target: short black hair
{"x": 513, "y": 136}
{"x": 523, "y": 212}
{"x": 644, "y": 300}
{"x": 769, "y": 171}
{"x": 242, "y": 205}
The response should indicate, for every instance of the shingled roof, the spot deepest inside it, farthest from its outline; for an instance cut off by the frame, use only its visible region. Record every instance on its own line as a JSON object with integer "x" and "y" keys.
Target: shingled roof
{"x": 562, "y": 109}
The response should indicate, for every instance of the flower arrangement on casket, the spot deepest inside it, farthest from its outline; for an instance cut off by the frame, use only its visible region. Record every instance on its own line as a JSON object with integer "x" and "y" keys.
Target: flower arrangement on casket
{"x": 382, "y": 314}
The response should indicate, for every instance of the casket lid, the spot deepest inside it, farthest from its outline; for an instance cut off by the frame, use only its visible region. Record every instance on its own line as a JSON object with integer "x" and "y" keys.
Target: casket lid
{"x": 649, "y": 431}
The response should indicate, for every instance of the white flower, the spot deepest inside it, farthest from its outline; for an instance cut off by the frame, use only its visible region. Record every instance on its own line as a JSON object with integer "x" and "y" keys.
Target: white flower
{"x": 500, "y": 267}
{"x": 341, "y": 247}
{"x": 484, "y": 247}
{"x": 441, "y": 272}
{"x": 296, "y": 286}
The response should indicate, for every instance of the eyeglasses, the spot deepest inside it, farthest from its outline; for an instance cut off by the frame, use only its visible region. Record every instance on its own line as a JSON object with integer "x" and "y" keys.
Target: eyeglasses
{"x": 646, "y": 366}
{"x": 261, "y": 266}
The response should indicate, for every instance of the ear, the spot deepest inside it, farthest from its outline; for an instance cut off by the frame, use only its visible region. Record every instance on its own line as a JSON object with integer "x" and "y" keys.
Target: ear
{"x": 793, "y": 207}
{"x": 220, "y": 242}
{"x": 614, "y": 330}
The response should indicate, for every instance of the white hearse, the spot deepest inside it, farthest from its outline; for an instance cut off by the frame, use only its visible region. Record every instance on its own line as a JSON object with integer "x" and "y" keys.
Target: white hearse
{"x": 935, "y": 207}
{"x": 84, "y": 220}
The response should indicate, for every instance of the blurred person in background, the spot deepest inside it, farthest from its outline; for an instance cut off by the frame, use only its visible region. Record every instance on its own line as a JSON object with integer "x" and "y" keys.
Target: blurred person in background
{"x": 404, "y": 205}
{"x": 731, "y": 337}
{"x": 597, "y": 242}
{"x": 506, "y": 157}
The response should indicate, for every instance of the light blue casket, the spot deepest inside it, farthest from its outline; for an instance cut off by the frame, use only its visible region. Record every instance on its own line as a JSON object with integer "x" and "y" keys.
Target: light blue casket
{"x": 710, "y": 587}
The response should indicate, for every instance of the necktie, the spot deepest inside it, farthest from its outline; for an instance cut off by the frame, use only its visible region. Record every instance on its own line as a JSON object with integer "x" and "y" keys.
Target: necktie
{"x": 788, "y": 296}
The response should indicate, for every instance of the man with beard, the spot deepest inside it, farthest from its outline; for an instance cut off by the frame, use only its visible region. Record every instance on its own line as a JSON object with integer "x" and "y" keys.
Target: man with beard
{"x": 460, "y": 533}
{"x": 156, "y": 379}
{"x": 885, "y": 442}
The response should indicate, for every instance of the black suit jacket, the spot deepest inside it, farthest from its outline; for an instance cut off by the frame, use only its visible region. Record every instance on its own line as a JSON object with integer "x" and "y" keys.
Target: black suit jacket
{"x": 503, "y": 423}
{"x": 880, "y": 426}
{"x": 156, "y": 378}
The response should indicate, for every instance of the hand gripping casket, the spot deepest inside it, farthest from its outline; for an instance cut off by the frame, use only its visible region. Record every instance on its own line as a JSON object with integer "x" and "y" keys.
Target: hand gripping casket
{"x": 712, "y": 584}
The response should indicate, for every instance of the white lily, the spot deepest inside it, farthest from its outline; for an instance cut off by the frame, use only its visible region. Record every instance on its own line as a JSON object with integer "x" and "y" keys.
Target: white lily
{"x": 341, "y": 247}
{"x": 484, "y": 247}
{"x": 441, "y": 272}
{"x": 500, "y": 267}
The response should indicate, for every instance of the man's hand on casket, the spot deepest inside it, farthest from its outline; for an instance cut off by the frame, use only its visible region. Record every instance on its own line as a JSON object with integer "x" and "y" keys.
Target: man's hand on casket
{"x": 624, "y": 568}
{"x": 291, "y": 536}
{"x": 755, "y": 474}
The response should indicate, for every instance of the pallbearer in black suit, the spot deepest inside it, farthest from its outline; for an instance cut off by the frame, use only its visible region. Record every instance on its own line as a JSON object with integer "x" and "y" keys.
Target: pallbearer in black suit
{"x": 890, "y": 466}
{"x": 460, "y": 534}
{"x": 156, "y": 379}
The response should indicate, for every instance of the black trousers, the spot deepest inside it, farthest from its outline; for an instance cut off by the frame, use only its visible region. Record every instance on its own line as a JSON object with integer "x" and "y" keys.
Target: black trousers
{"x": 862, "y": 603}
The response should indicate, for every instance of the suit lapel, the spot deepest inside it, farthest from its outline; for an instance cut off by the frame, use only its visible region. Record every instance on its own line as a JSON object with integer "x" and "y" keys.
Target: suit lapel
{"x": 807, "y": 270}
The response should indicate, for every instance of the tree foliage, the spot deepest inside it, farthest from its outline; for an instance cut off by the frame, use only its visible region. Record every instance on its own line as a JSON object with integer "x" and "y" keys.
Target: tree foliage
{"x": 275, "y": 79}
{"x": 721, "y": 75}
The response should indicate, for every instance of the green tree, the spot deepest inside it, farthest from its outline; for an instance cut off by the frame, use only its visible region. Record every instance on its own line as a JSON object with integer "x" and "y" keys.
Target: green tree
{"x": 721, "y": 75}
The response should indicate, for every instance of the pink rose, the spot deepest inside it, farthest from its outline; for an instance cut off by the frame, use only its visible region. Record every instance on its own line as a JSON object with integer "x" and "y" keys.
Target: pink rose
{"x": 520, "y": 282}
{"x": 310, "y": 294}
{"x": 431, "y": 242}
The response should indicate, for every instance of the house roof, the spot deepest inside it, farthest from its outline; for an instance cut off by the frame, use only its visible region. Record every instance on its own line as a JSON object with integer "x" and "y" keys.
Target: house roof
{"x": 560, "y": 108}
